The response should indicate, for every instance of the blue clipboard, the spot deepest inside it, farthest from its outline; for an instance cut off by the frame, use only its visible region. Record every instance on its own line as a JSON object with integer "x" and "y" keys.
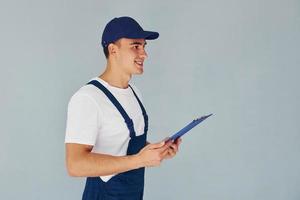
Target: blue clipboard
{"x": 188, "y": 127}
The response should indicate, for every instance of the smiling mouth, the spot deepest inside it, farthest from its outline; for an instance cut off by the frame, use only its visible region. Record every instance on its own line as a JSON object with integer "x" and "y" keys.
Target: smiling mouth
{"x": 139, "y": 63}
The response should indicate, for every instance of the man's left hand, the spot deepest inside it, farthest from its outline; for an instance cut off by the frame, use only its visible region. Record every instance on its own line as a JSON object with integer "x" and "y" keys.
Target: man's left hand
{"x": 173, "y": 149}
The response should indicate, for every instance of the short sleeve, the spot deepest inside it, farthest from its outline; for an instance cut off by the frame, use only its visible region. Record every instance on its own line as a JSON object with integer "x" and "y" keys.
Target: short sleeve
{"x": 82, "y": 120}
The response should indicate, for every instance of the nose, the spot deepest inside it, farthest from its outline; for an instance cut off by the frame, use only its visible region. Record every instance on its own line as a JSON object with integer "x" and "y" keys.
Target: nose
{"x": 143, "y": 54}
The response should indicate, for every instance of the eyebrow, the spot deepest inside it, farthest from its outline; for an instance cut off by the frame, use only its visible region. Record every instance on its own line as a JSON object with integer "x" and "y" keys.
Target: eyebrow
{"x": 139, "y": 43}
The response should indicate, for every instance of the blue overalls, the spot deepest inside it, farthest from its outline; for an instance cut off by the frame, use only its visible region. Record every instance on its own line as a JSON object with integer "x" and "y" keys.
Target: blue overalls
{"x": 127, "y": 185}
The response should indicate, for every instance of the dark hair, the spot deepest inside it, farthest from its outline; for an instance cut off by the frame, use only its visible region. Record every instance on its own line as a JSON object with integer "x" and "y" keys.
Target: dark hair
{"x": 105, "y": 50}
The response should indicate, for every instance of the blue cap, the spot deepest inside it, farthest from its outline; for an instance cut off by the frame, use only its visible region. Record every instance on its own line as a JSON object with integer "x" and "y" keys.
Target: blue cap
{"x": 125, "y": 27}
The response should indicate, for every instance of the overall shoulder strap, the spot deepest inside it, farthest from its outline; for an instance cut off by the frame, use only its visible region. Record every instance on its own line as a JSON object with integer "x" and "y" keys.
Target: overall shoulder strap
{"x": 116, "y": 103}
{"x": 143, "y": 110}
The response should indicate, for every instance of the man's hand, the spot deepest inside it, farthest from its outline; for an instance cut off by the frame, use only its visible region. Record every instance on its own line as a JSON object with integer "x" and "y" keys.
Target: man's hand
{"x": 153, "y": 154}
{"x": 173, "y": 148}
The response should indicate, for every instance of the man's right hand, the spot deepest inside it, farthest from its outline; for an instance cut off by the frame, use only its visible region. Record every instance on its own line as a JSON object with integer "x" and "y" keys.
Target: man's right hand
{"x": 153, "y": 154}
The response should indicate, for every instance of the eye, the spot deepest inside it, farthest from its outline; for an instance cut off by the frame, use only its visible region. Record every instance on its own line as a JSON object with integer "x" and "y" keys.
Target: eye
{"x": 136, "y": 47}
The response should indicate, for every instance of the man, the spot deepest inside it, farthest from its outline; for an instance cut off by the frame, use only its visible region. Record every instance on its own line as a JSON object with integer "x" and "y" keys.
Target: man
{"x": 107, "y": 123}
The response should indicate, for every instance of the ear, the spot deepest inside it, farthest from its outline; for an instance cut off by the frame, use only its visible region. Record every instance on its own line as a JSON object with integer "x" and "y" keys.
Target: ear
{"x": 111, "y": 49}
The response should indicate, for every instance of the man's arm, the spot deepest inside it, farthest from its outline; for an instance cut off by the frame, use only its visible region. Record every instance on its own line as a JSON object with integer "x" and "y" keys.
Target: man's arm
{"x": 82, "y": 162}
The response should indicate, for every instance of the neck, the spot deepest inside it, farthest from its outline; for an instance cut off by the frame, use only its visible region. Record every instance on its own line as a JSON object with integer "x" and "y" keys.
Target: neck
{"x": 115, "y": 77}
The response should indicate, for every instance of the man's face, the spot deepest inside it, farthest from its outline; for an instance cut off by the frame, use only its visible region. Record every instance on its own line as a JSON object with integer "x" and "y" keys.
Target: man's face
{"x": 130, "y": 55}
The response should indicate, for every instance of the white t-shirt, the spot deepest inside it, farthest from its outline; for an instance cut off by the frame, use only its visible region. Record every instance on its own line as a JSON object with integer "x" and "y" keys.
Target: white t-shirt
{"x": 93, "y": 120}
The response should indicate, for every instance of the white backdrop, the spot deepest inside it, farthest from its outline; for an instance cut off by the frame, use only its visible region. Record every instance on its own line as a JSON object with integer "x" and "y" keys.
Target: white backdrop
{"x": 236, "y": 59}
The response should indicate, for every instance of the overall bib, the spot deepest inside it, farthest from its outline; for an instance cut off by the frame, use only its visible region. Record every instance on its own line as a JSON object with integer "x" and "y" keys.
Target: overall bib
{"x": 127, "y": 185}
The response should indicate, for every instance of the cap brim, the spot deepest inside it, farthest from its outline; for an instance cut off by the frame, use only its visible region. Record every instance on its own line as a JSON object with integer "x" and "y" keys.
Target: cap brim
{"x": 147, "y": 35}
{"x": 150, "y": 35}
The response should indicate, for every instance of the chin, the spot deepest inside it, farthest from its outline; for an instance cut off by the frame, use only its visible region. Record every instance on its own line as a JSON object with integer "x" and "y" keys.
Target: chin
{"x": 138, "y": 72}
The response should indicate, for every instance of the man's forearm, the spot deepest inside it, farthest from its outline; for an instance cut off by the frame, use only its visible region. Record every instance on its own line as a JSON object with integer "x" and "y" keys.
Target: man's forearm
{"x": 81, "y": 161}
{"x": 94, "y": 164}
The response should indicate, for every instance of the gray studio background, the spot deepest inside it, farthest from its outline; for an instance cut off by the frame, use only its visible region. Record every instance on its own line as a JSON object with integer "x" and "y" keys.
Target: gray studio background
{"x": 238, "y": 59}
